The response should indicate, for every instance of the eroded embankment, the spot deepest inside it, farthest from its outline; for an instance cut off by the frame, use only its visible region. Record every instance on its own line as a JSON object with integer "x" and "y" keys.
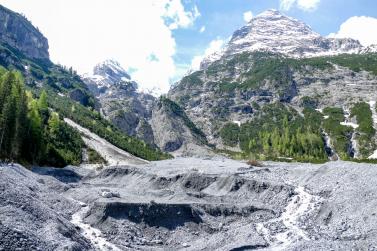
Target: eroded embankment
{"x": 189, "y": 209}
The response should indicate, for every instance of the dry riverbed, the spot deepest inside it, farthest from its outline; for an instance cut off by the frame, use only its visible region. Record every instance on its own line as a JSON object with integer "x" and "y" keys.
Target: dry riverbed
{"x": 190, "y": 204}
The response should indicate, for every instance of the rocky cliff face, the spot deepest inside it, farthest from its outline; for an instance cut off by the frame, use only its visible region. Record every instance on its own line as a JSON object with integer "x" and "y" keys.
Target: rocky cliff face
{"x": 17, "y": 32}
{"x": 141, "y": 114}
{"x": 119, "y": 100}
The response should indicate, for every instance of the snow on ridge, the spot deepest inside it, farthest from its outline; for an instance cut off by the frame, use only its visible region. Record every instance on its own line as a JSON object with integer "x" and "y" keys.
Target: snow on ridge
{"x": 274, "y": 32}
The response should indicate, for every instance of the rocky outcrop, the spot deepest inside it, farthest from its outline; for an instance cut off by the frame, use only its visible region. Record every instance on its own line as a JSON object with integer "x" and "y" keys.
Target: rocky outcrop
{"x": 174, "y": 131}
{"x": 17, "y": 32}
{"x": 120, "y": 101}
{"x": 141, "y": 114}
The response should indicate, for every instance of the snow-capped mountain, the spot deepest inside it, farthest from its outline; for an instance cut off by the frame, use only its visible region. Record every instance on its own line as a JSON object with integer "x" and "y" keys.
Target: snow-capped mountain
{"x": 109, "y": 78}
{"x": 274, "y": 32}
{"x": 370, "y": 49}
{"x": 112, "y": 70}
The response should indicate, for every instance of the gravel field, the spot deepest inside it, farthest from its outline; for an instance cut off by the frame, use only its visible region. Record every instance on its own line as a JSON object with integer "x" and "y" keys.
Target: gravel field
{"x": 190, "y": 204}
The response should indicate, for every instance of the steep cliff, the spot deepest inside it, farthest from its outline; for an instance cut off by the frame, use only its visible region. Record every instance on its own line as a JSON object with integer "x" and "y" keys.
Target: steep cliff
{"x": 17, "y": 32}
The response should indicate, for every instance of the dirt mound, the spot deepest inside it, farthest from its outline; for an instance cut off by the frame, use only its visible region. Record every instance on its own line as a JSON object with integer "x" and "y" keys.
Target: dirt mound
{"x": 34, "y": 217}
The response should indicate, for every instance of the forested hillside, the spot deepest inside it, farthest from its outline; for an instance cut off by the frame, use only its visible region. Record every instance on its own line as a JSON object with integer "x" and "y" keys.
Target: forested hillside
{"x": 29, "y": 131}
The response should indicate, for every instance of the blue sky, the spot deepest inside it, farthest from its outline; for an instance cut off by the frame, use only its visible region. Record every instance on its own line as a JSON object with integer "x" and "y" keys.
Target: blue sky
{"x": 158, "y": 41}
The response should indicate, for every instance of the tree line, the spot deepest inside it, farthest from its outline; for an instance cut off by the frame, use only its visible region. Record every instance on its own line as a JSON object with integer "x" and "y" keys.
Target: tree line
{"x": 279, "y": 132}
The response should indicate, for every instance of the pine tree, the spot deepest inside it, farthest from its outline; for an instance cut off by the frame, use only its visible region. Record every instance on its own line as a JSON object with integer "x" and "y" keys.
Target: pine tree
{"x": 43, "y": 106}
{"x": 21, "y": 120}
{"x": 53, "y": 123}
{"x": 8, "y": 97}
{"x": 35, "y": 132}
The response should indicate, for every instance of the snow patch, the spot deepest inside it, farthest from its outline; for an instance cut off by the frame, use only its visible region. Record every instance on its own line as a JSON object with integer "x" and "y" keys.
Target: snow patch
{"x": 353, "y": 125}
{"x": 237, "y": 122}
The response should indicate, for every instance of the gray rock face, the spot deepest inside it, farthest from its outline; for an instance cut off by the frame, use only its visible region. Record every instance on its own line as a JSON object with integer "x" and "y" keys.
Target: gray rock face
{"x": 19, "y": 33}
{"x": 120, "y": 101}
{"x": 174, "y": 133}
{"x": 79, "y": 96}
{"x": 139, "y": 114}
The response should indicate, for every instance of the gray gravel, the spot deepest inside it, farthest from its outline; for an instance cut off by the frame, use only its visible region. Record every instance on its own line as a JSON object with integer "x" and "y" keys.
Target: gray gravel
{"x": 190, "y": 204}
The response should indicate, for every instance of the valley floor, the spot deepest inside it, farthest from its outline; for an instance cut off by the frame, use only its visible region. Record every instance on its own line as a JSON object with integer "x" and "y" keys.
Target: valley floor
{"x": 190, "y": 204}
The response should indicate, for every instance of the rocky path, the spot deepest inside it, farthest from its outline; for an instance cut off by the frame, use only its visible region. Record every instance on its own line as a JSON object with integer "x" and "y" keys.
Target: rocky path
{"x": 280, "y": 233}
{"x": 112, "y": 154}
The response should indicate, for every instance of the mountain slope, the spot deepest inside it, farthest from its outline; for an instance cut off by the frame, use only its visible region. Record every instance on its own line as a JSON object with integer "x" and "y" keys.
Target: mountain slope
{"x": 159, "y": 122}
{"x": 255, "y": 72}
{"x": 67, "y": 93}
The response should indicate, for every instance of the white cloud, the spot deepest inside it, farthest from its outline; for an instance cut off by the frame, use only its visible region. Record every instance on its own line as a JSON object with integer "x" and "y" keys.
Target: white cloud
{"x": 83, "y": 33}
{"x": 286, "y": 4}
{"x": 214, "y": 46}
{"x": 306, "y": 5}
{"x": 247, "y": 16}
{"x": 176, "y": 16}
{"x": 361, "y": 28}
{"x": 202, "y": 29}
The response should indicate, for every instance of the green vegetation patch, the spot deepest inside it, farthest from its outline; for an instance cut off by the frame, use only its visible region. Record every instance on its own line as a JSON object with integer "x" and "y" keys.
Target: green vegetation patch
{"x": 230, "y": 134}
{"x": 29, "y": 132}
{"x": 340, "y": 134}
{"x": 357, "y": 62}
{"x": 278, "y": 132}
{"x": 366, "y": 130}
{"x": 94, "y": 157}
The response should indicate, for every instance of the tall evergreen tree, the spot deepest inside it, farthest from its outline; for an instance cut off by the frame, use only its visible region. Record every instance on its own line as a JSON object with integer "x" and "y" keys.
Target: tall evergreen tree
{"x": 43, "y": 107}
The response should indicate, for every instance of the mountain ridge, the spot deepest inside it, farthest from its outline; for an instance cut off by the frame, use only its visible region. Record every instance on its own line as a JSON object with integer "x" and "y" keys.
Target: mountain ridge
{"x": 272, "y": 31}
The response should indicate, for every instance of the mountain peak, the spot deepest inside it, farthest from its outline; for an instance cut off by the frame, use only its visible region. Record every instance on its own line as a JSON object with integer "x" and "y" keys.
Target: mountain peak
{"x": 111, "y": 69}
{"x": 269, "y": 13}
{"x": 275, "y": 32}
{"x": 110, "y": 78}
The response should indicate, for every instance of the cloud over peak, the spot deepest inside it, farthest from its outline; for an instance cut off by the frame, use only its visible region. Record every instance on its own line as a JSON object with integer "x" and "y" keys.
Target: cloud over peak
{"x": 361, "y": 28}
{"x": 247, "y": 16}
{"x": 305, "y": 5}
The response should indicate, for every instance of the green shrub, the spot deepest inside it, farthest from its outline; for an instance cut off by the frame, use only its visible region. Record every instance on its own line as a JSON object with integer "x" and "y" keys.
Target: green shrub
{"x": 230, "y": 134}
